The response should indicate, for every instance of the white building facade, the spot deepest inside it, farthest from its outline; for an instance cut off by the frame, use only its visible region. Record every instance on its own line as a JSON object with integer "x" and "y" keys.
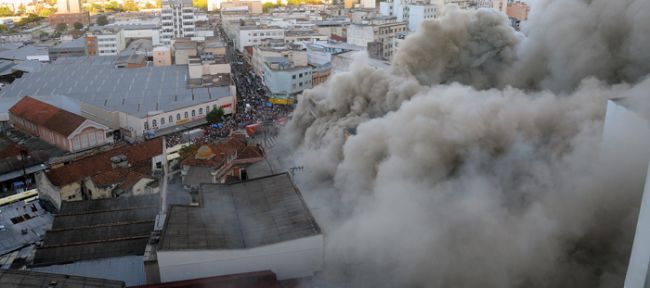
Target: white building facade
{"x": 177, "y": 20}
{"x": 253, "y": 36}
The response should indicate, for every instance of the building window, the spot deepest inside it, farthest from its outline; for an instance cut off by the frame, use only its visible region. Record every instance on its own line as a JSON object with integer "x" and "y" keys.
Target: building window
{"x": 193, "y": 113}
{"x": 186, "y": 115}
{"x": 178, "y": 116}
{"x": 84, "y": 141}
{"x": 171, "y": 119}
{"x": 207, "y": 109}
{"x": 146, "y": 125}
{"x": 293, "y": 76}
{"x": 75, "y": 143}
{"x": 93, "y": 140}
{"x": 200, "y": 111}
{"x": 154, "y": 123}
{"x": 162, "y": 120}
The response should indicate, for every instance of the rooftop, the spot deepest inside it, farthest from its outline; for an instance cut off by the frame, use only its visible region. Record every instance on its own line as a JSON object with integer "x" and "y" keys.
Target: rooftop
{"x": 96, "y": 81}
{"x": 38, "y": 150}
{"x": 243, "y": 215}
{"x": 23, "y": 52}
{"x": 18, "y": 217}
{"x": 138, "y": 155}
{"x": 261, "y": 279}
{"x": 24, "y": 278}
{"x": 93, "y": 229}
{"x": 72, "y": 44}
{"x": 46, "y": 115}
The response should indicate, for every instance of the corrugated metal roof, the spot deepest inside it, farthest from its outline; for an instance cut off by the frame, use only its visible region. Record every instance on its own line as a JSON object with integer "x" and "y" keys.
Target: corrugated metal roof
{"x": 95, "y": 80}
{"x": 244, "y": 215}
{"x": 94, "y": 229}
{"x": 23, "y": 278}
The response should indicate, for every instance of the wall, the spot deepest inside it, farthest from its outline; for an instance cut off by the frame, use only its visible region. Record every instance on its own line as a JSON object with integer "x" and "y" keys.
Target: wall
{"x": 181, "y": 55}
{"x": 360, "y": 35}
{"x": 71, "y": 192}
{"x": 97, "y": 192}
{"x": 47, "y": 191}
{"x": 162, "y": 58}
{"x": 139, "y": 188}
{"x": 290, "y": 259}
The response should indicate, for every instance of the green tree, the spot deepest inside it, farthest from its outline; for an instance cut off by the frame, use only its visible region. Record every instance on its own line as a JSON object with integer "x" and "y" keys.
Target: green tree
{"x": 102, "y": 20}
{"x": 214, "y": 116}
{"x": 293, "y": 2}
{"x": 6, "y": 11}
{"x": 158, "y": 3}
{"x": 149, "y": 6}
{"x": 61, "y": 27}
{"x": 112, "y": 7}
{"x": 268, "y": 6}
{"x": 21, "y": 9}
{"x": 78, "y": 25}
{"x": 130, "y": 5}
{"x": 3, "y": 28}
{"x": 31, "y": 18}
{"x": 201, "y": 4}
{"x": 51, "y": 2}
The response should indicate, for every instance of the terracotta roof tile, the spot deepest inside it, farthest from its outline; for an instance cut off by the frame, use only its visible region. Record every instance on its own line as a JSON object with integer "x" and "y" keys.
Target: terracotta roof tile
{"x": 221, "y": 151}
{"x": 46, "y": 115}
{"x": 138, "y": 155}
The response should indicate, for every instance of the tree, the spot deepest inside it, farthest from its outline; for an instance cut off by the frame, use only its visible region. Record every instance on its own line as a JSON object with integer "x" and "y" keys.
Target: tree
{"x": 21, "y": 9}
{"x": 78, "y": 25}
{"x": 112, "y": 7}
{"x": 158, "y": 3}
{"x": 201, "y": 4}
{"x": 130, "y": 5}
{"x": 51, "y": 2}
{"x": 149, "y": 6}
{"x": 268, "y": 6}
{"x": 102, "y": 20}
{"x": 6, "y": 11}
{"x": 61, "y": 27}
{"x": 3, "y": 28}
{"x": 214, "y": 116}
{"x": 293, "y": 2}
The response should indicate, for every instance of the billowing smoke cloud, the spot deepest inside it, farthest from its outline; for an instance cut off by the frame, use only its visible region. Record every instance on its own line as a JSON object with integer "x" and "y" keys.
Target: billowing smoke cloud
{"x": 477, "y": 159}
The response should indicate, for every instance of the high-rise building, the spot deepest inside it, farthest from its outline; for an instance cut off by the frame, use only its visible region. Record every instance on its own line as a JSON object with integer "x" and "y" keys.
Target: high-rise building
{"x": 176, "y": 20}
{"x": 68, "y": 6}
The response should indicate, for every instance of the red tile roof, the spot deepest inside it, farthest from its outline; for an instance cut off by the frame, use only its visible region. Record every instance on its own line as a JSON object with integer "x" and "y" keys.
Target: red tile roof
{"x": 46, "y": 115}
{"x": 138, "y": 155}
{"x": 221, "y": 151}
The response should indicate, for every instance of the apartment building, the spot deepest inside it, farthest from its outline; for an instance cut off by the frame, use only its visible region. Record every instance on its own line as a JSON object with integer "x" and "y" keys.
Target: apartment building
{"x": 177, "y": 20}
{"x": 297, "y": 57}
{"x": 378, "y": 30}
{"x": 412, "y": 12}
{"x": 284, "y": 79}
{"x": 254, "y": 35}
{"x": 68, "y": 6}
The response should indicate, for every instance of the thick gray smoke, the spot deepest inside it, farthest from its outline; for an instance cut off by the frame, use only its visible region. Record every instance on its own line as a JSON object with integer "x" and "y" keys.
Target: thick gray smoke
{"x": 477, "y": 159}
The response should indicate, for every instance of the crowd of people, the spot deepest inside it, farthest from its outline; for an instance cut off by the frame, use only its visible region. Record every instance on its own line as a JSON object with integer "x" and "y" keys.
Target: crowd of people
{"x": 252, "y": 107}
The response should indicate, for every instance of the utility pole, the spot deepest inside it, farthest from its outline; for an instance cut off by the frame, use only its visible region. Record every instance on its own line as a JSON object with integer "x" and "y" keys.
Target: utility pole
{"x": 163, "y": 190}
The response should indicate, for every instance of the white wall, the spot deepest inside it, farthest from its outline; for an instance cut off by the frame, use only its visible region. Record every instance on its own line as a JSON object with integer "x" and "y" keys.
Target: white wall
{"x": 360, "y": 35}
{"x": 291, "y": 259}
{"x": 625, "y": 130}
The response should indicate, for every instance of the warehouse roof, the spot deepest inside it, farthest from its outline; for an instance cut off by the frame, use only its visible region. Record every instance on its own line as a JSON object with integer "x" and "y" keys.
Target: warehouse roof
{"x": 96, "y": 81}
{"x": 94, "y": 229}
{"x": 243, "y": 215}
{"x": 24, "y": 278}
{"x": 46, "y": 115}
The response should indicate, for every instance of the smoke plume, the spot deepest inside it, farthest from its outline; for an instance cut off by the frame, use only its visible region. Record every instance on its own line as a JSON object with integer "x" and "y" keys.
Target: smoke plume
{"x": 478, "y": 158}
